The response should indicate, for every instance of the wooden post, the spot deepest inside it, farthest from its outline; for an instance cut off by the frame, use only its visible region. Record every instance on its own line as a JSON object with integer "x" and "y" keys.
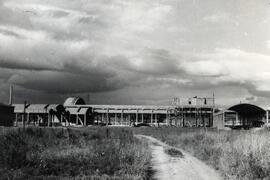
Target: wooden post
{"x": 142, "y": 117}
{"x": 77, "y": 119}
{"x": 115, "y": 117}
{"x": 84, "y": 119}
{"x": 156, "y": 118}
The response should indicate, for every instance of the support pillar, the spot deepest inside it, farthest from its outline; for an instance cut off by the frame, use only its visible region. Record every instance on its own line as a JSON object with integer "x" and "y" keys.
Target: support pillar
{"x": 16, "y": 120}
{"x": 107, "y": 116}
{"x": 136, "y": 118}
{"x": 129, "y": 119}
{"x": 122, "y": 117}
{"x": 115, "y": 117}
{"x": 28, "y": 118}
{"x": 167, "y": 118}
{"x": 49, "y": 120}
{"x": 196, "y": 117}
{"x": 267, "y": 117}
{"x": 151, "y": 117}
{"x": 184, "y": 117}
{"x": 61, "y": 118}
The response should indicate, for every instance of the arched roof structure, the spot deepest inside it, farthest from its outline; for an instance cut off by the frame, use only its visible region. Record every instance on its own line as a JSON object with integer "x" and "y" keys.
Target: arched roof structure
{"x": 71, "y": 101}
{"x": 248, "y": 109}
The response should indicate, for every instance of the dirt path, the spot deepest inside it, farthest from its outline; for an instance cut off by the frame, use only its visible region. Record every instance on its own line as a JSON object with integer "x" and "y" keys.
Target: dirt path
{"x": 177, "y": 166}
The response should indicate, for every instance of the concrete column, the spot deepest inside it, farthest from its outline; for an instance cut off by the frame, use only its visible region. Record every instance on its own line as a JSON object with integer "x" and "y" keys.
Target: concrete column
{"x": 102, "y": 117}
{"x": 136, "y": 117}
{"x": 167, "y": 119}
{"x": 115, "y": 118}
{"x": 49, "y": 120}
{"x": 61, "y": 118}
{"x": 129, "y": 119}
{"x": 28, "y": 118}
{"x": 16, "y": 119}
{"x": 196, "y": 117}
{"x": 151, "y": 117}
{"x": 84, "y": 120}
{"x": 203, "y": 118}
{"x": 121, "y": 117}
{"x": 184, "y": 117}
{"x": 107, "y": 116}
{"x": 169, "y": 116}
{"x": 156, "y": 118}
{"x": 142, "y": 117}
{"x": 267, "y": 117}
{"x": 77, "y": 119}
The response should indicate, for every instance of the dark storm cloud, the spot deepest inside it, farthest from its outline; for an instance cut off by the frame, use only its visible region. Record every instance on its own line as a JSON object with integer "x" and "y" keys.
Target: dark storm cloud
{"x": 62, "y": 83}
{"x": 179, "y": 47}
{"x": 14, "y": 64}
{"x": 10, "y": 33}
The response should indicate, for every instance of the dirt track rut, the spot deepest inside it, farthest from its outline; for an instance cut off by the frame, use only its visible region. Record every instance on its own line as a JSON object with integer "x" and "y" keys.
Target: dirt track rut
{"x": 184, "y": 167}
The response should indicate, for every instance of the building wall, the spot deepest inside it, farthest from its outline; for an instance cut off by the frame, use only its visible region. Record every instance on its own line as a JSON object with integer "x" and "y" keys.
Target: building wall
{"x": 7, "y": 115}
{"x": 218, "y": 120}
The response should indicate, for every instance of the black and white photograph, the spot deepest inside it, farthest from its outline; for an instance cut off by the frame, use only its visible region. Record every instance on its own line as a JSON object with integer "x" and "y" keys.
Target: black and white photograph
{"x": 134, "y": 89}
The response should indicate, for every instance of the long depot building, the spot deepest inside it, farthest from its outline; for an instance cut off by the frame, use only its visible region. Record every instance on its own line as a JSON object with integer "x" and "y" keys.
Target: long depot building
{"x": 192, "y": 112}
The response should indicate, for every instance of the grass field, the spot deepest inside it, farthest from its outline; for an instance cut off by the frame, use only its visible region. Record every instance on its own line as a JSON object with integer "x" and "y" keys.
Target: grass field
{"x": 113, "y": 153}
{"x": 237, "y": 155}
{"x": 88, "y": 153}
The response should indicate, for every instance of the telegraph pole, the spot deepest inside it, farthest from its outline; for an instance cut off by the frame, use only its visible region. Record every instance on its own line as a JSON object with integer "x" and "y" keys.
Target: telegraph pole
{"x": 10, "y": 95}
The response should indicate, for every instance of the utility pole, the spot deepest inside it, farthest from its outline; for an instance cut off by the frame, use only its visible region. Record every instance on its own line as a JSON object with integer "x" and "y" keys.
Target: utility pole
{"x": 10, "y": 95}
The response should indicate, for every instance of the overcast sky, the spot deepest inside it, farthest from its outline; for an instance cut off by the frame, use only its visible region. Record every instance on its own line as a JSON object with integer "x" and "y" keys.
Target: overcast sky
{"x": 135, "y": 51}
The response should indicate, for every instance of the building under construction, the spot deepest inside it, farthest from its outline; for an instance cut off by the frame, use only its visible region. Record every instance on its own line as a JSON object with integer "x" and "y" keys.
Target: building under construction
{"x": 184, "y": 112}
{"x": 191, "y": 112}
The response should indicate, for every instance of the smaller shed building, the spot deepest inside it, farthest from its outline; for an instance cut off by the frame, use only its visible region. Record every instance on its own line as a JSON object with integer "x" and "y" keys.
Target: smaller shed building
{"x": 240, "y": 116}
{"x": 249, "y": 115}
{"x": 7, "y": 115}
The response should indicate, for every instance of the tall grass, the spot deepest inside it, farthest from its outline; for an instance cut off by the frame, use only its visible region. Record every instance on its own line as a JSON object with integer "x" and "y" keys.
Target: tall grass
{"x": 237, "y": 155}
{"x": 90, "y": 153}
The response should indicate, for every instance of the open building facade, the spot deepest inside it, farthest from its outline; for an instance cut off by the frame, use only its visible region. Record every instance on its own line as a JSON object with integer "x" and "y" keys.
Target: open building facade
{"x": 75, "y": 112}
{"x": 191, "y": 112}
